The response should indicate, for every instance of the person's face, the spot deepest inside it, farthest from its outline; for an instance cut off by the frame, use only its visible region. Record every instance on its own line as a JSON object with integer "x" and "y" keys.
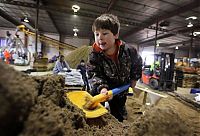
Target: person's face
{"x": 61, "y": 59}
{"x": 105, "y": 39}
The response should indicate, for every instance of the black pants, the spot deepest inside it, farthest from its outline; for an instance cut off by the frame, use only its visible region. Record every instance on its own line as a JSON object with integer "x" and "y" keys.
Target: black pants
{"x": 118, "y": 108}
{"x": 86, "y": 83}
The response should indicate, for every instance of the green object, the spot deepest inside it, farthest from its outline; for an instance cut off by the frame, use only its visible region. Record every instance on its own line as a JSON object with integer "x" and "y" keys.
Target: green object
{"x": 157, "y": 65}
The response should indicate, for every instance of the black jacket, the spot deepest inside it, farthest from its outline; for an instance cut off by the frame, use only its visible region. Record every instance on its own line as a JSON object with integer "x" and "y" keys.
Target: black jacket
{"x": 104, "y": 72}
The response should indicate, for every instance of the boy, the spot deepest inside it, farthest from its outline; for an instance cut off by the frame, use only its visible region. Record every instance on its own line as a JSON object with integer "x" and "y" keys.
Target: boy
{"x": 112, "y": 63}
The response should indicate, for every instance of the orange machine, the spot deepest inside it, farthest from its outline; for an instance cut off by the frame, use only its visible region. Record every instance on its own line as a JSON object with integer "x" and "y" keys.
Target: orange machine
{"x": 150, "y": 78}
{"x": 160, "y": 78}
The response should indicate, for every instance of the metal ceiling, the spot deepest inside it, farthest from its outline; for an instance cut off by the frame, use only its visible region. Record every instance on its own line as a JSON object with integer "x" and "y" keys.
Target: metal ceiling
{"x": 138, "y": 18}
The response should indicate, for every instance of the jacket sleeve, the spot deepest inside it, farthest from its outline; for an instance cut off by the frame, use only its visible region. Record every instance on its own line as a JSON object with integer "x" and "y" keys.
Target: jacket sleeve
{"x": 57, "y": 68}
{"x": 95, "y": 74}
{"x": 136, "y": 66}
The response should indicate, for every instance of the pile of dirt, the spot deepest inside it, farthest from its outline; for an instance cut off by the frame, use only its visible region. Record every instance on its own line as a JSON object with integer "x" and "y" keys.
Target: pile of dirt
{"x": 75, "y": 56}
{"x": 160, "y": 121}
{"x": 32, "y": 106}
{"x": 17, "y": 95}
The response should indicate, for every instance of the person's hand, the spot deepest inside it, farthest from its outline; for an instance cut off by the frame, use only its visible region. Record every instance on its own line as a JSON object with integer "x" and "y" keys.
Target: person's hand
{"x": 105, "y": 92}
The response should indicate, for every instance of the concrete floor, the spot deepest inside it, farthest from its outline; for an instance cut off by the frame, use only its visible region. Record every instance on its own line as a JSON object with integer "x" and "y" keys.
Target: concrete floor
{"x": 23, "y": 68}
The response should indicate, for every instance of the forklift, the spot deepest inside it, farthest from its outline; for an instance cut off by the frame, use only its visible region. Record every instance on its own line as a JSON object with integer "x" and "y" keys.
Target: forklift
{"x": 160, "y": 78}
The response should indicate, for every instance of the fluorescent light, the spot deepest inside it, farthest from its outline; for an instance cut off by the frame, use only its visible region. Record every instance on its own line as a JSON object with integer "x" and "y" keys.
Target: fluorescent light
{"x": 196, "y": 33}
{"x": 192, "y": 17}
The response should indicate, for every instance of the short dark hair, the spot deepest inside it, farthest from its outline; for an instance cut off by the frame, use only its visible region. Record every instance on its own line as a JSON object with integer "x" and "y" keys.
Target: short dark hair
{"x": 107, "y": 21}
{"x": 82, "y": 60}
{"x": 61, "y": 56}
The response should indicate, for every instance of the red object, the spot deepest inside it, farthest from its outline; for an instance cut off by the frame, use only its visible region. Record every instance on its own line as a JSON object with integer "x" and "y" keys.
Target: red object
{"x": 150, "y": 78}
{"x": 7, "y": 56}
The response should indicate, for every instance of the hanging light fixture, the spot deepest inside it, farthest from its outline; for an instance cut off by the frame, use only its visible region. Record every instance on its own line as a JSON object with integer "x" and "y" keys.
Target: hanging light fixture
{"x": 190, "y": 24}
{"x": 26, "y": 19}
{"x": 191, "y": 17}
{"x": 75, "y": 8}
{"x": 75, "y": 31}
{"x": 176, "y": 48}
{"x": 158, "y": 44}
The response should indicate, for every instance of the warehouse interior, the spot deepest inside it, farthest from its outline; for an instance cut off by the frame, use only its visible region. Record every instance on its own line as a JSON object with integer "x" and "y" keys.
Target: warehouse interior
{"x": 35, "y": 33}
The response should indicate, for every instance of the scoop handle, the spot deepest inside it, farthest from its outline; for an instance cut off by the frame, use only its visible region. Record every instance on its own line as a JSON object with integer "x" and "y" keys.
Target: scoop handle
{"x": 120, "y": 89}
{"x": 102, "y": 97}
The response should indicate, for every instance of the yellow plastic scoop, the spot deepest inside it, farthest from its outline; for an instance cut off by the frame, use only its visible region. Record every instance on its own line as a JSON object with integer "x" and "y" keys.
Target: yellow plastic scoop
{"x": 91, "y": 105}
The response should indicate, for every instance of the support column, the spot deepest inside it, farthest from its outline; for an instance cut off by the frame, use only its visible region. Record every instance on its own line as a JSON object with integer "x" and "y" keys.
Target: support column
{"x": 36, "y": 27}
{"x": 190, "y": 50}
{"x": 61, "y": 39}
{"x": 155, "y": 45}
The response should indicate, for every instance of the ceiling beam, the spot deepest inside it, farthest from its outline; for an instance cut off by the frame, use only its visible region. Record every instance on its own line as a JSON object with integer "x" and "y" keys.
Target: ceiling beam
{"x": 158, "y": 18}
{"x": 111, "y": 3}
{"x": 9, "y": 18}
{"x": 182, "y": 31}
{"x": 158, "y": 38}
{"x": 83, "y": 12}
{"x": 51, "y": 18}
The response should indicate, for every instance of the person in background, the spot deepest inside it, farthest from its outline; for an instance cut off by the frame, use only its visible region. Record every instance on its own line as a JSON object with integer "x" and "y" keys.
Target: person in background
{"x": 40, "y": 55}
{"x": 155, "y": 66}
{"x": 1, "y": 55}
{"x": 9, "y": 40}
{"x": 112, "y": 63}
{"x": 7, "y": 56}
{"x": 82, "y": 68}
{"x": 60, "y": 65}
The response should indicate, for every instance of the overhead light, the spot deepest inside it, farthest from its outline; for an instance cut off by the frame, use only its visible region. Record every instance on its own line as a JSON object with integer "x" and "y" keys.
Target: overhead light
{"x": 192, "y": 17}
{"x": 75, "y": 34}
{"x": 196, "y": 33}
{"x": 190, "y": 24}
{"x": 176, "y": 48}
{"x": 158, "y": 44}
{"x": 75, "y": 31}
{"x": 75, "y": 8}
{"x": 26, "y": 19}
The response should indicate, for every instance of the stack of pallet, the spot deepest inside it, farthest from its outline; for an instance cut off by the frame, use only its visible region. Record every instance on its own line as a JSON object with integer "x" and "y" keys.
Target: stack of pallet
{"x": 186, "y": 80}
{"x": 189, "y": 80}
{"x": 40, "y": 64}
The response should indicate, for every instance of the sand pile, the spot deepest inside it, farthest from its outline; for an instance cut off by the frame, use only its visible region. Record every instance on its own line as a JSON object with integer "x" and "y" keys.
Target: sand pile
{"x": 32, "y": 106}
{"x": 75, "y": 56}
